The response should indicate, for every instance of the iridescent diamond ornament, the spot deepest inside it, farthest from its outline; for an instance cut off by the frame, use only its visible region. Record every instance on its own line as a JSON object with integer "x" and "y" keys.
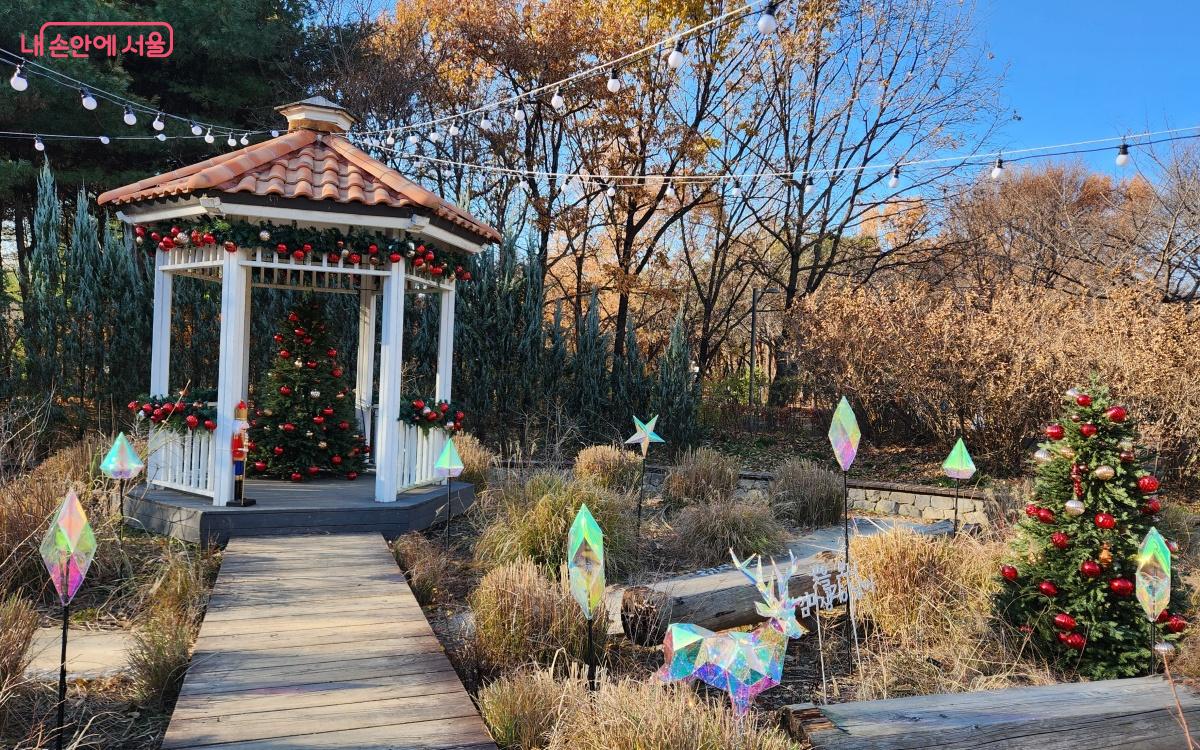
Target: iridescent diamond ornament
{"x": 844, "y": 434}
{"x": 1153, "y": 574}
{"x": 121, "y": 461}
{"x": 449, "y": 463}
{"x": 68, "y": 548}
{"x": 585, "y": 562}
{"x": 958, "y": 465}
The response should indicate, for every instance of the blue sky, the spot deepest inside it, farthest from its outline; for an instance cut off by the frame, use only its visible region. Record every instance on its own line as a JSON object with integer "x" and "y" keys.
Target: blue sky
{"x": 1077, "y": 70}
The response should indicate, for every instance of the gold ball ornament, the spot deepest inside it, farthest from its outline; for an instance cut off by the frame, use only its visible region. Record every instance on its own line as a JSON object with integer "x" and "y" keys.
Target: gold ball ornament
{"x": 341, "y": 395}
{"x": 1104, "y": 472}
{"x": 1164, "y": 650}
{"x": 1066, "y": 451}
{"x": 1125, "y": 445}
{"x": 298, "y": 363}
{"x": 322, "y": 445}
{"x": 308, "y": 433}
{"x": 1074, "y": 507}
{"x": 267, "y": 412}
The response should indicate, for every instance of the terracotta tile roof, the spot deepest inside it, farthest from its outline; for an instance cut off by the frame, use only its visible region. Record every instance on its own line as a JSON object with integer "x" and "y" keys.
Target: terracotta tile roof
{"x": 300, "y": 164}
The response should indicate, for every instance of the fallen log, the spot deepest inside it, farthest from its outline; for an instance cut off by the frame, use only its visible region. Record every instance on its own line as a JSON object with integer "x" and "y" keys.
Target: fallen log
{"x": 1135, "y": 713}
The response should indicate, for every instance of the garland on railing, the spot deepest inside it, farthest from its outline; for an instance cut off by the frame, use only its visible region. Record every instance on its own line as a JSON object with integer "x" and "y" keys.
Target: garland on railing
{"x": 308, "y": 245}
{"x": 188, "y": 412}
{"x": 441, "y": 414}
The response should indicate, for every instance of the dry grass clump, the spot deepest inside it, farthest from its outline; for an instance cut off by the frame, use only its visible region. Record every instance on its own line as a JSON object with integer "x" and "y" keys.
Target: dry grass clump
{"x": 931, "y": 603}
{"x": 608, "y": 466}
{"x": 424, "y": 563}
{"x": 534, "y": 710}
{"x": 477, "y": 460}
{"x": 705, "y": 532}
{"x": 1187, "y": 659}
{"x": 702, "y": 475}
{"x": 522, "y": 618}
{"x": 18, "y": 623}
{"x": 806, "y": 493}
{"x": 530, "y": 519}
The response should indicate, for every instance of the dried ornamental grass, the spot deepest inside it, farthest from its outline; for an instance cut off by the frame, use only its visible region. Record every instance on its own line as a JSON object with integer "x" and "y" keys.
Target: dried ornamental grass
{"x": 18, "y": 623}
{"x": 424, "y": 563}
{"x": 523, "y": 618}
{"x": 702, "y": 475}
{"x": 806, "y": 493}
{"x": 705, "y": 532}
{"x": 521, "y": 710}
{"x": 609, "y": 467}
{"x": 158, "y": 657}
{"x": 477, "y": 460}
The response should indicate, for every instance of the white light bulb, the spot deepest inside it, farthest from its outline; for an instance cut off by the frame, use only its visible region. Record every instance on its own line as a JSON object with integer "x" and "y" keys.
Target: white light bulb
{"x": 390, "y": 140}
{"x": 485, "y": 123}
{"x": 161, "y": 136}
{"x": 18, "y": 81}
{"x": 37, "y": 143}
{"x": 519, "y": 114}
{"x": 453, "y": 130}
{"x": 736, "y": 192}
{"x": 998, "y": 169}
{"x": 245, "y": 141}
{"x": 158, "y": 123}
{"x": 809, "y": 185}
{"x": 208, "y": 136}
{"x": 196, "y": 129}
{"x": 435, "y": 137}
{"x": 611, "y": 192}
{"x": 231, "y": 141}
{"x": 104, "y": 139}
{"x": 414, "y": 139}
{"x": 558, "y": 102}
{"x": 895, "y": 179}
{"x": 766, "y": 22}
{"x": 85, "y": 97}
{"x": 274, "y": 133}
{"x": 1123, "y": 155}
{"x": 676, "y": 59}
{"x": 614, "y": 83}
{"x": 130, "y": 118}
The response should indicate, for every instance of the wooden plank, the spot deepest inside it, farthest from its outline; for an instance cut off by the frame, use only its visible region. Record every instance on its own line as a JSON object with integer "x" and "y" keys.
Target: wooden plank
{"x": 318, "y": 642}
{"x": 1138, "y": 712}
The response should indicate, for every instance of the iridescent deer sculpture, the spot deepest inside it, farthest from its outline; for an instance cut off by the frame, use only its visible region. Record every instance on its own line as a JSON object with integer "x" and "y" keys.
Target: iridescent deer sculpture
{"x": 743, "y": 664}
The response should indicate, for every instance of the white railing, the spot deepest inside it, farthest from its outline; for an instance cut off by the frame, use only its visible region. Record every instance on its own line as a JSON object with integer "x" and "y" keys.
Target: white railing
{"x": 419, "y": 450}
{"x": 181, "y": 460}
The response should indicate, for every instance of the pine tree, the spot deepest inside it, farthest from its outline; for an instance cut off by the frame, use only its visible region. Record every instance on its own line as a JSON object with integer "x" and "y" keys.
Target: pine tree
{"x": 632, "y": 386}
{"x": 125, "y": 317}
{"x": 590, "y": 401}
{"x": 82, "y": 340}
{"x": 44, "y": 310}
{"x": 1070, "y": 582}
{"x": 304, "y": 422}
{"x": 674, "y": 399}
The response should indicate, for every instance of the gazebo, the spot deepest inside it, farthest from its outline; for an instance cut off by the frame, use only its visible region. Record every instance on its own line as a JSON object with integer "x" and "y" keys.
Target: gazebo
{"x": 310, "y": 177}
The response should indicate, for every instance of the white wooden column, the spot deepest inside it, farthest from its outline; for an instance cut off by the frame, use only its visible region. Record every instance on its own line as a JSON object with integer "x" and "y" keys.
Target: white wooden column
{"x": 235, "y": 306}
{"x": 388, "y": 434}
{"x": 364, "y": 375}
{"x": 445, "y": 360}
{"x": 160, "y": 351}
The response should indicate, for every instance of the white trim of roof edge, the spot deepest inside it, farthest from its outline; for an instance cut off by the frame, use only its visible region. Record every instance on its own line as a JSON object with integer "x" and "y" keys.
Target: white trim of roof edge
{"x": 415, "y": 224}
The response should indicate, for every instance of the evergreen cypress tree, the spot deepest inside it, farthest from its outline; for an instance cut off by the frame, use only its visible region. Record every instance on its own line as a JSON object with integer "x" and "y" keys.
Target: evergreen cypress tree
{"x": 82, "y": 341}
{"x": 125, "y": 317}
{"x": 590, "y": 400}
{"x": 633, "y": 387}
{"x": 304, "y": 422}
{"x": 674, "y": 398}
{"x": 44, "y": 310}
{"x": 1070, "y": 582}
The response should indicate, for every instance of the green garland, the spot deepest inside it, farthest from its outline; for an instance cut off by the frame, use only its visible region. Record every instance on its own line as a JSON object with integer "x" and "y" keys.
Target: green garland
{"x": 428, "y": 413}
{"x": 178, "y": 413}
{"x": 307, "y": 245}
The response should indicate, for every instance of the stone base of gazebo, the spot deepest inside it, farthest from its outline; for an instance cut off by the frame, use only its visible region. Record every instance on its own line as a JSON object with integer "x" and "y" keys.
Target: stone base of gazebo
{"x": 330, "y": 506}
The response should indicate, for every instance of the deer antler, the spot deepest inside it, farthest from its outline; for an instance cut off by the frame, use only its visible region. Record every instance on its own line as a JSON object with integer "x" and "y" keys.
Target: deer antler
{"x": 781, "y": 581}
{"x": 756, "y": 577}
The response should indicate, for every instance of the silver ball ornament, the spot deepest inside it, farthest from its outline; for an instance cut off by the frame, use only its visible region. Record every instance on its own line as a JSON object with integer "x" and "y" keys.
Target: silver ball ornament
{"x": 314, "y": 394}
{"x": 264, "y": 236}
{"x": 1104, "y": 472}
{"x": 1074, "y": 507}
{"x": 1164, "y": 649}
{"x": 1042, "y": 456}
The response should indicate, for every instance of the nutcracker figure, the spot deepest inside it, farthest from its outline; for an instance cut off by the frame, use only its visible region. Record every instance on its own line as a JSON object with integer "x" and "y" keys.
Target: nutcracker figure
{"x": 240, "y": 449}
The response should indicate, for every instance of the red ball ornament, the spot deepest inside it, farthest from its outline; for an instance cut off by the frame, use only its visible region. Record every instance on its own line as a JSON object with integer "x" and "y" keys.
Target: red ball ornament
{"x": 1055, "y": 431}
{"x": 230, "y": 246}
{"x": 1087, "y": 429}
{"x": 285, "y": 354}
{"x": 318, "y": 419}
{"x": 175, "y": 230}
{"x": 327, "y": 411}
{"x": 296, "y": 477}
{"x": 1163, "y": 616}
{"x": 278, "y": 338}
{"x": 1176, "y": 624}
{"x": 155, "y": 236}
{"x": 1083, "y": 400}
{"x": 307, "y": 247}
{"x": 1048, "y": 589}
{"x": 1152, "y": 506}
{"x": 337, "y": 372}
{"x": 285, "y": 390}
{"x": 466, "y": 275}
{"x": 288, "y": 427}
{"x": 209, "y": 239}
{"x": 278, "y": 450}
{"x": 1089, "y": 568}
{"x": 1148, "y": 484}
{"x": 167, "y": 243}
{"x": 281, "y": 249}
{"x": 373, "y": 249}
{"x": 1173, "y": 546}
{"x": 394, "y": 257}
{"x": 1075, "y": 641}
{"x": 418, "y": 262}
{"x": 210, "y": 425}
{"x": 132, "y": 406}
{"x": 1031, "y": 510}
{"x": 429, "y": 256}
{"x": 1060, "y": 540}
{"x": 1105, "y": 521}
{"x": 458, "y": 416}
{"x": 343, "y": 425}
{"x": 1009, "y": 572}
{"x": 1064, "y": 621}
{"x": 352, "y": 475}
{"x": 355, "y": 258}
{"x": 313, "y": 471}
{"x": 192, "y": 421}
{"x": 331, "y": 352}
{"x": 418, "y": 404}
{"x": 140, "y": 231}
{"x": 336, "y": 460}
{"x": 310, "y": 365}
{"x": 1121, "y": 586}
{"x": 444, "y": 407}
{"x": 293, "y": 317}
{"x": 1045, "y": 515}
{"x": 307, "y": 340}
{"x": 1116, "y": 414}
{"x": 260, "y": 465}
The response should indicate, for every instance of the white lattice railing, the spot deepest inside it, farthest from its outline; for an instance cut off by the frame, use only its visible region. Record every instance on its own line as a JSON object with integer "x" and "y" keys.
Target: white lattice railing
{"x": 419, "y": 451}
{"x": 181, "y": 460}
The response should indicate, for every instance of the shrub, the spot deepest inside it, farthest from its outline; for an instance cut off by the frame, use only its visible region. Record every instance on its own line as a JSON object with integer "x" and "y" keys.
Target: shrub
{"x": 705, "y": 532}
{"x": 522, "y": 709}
{"x": 522, "y": 617}
{"x": 424, "y": 563}
{"x": 806, "y": 493}
{"x": 18, "y": 623}
{"x": 158, "y": 657}
{"x": 531, "y": 520}
{"x": 609, "y": 467}
{"x": 702, "y": 475}
{"x": 477, "y": 460}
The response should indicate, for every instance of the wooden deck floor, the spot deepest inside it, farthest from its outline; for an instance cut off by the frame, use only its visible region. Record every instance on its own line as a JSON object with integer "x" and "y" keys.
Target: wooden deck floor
{"x": 317, "y": 642}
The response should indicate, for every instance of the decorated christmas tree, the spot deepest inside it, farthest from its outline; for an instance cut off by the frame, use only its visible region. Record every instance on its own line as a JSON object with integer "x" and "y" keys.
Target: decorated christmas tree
{"x": 1070, "y": 582}
{"x": 304, "y": 423}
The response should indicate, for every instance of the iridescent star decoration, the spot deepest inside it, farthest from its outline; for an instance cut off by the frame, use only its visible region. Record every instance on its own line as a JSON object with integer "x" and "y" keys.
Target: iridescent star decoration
{"x": 121, "y": 461}
{"x": 1154, "y": 574}
{"x": 585, "y": 562}
{"x": 958, "y": 465}
{"x": 844, "y": 434}
{"x": 68, "y": 548}
{"x": 645, "y": 434}
{"x": 449, "y": 464}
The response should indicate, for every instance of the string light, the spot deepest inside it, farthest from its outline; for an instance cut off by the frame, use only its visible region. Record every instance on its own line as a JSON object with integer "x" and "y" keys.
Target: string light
{"x": 611, "y": 192}
{"x": 435, "y": 137}
{"x": 737, "y": 191}
{"x": 104, "y": 140}
{"x": 231, "y": 142}
{"x": 414, "y": 139}
{"x": 130, "y": 118}
{"x": 809, "y": 185}
{"x": 158, "y": 123}
{"x": 208, "y": 136}
{"x": 274, "y": 133}
{"x": 18, "y": 81}
{"x": 37, "y": 143}
{"x": 671, "y": 195}
{"x": 558, "y": 103}
{"x": 485, "y": 123}
{"x": 998, "y": 168}
{"x": 453, "y": 131}
{"x": 519, "y": 114}
{"x": 196, "y": 129}
{"x": 614, "y": 83}
{"x": 895, "y": 180}
{"x": 676, "y": 59}
{"x": 1123, "y": 155}
{"x": 87, "y": 100}
{"x": 245, "y": 140}
{"x": 390, "y": 140}
{"x": 161, "y": 136}
{"x": 767, "y": 24}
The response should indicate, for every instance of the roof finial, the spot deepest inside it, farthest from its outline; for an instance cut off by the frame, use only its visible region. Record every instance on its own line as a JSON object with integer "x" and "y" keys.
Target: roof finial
{"x": 316, "y": 113}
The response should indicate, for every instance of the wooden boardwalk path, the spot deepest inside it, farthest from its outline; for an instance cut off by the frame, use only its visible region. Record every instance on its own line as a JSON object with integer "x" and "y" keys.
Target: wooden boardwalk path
{"x": 317, "y": 642}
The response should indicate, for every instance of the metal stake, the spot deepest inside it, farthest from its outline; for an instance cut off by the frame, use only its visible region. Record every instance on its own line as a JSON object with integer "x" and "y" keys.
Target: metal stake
{"x": 591, "y": 657}
{"x": 956, "y": 485}
{"x": 446, "y": 538}
{"x": 846, "y": 539}
{"x": 62, "y": 676}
